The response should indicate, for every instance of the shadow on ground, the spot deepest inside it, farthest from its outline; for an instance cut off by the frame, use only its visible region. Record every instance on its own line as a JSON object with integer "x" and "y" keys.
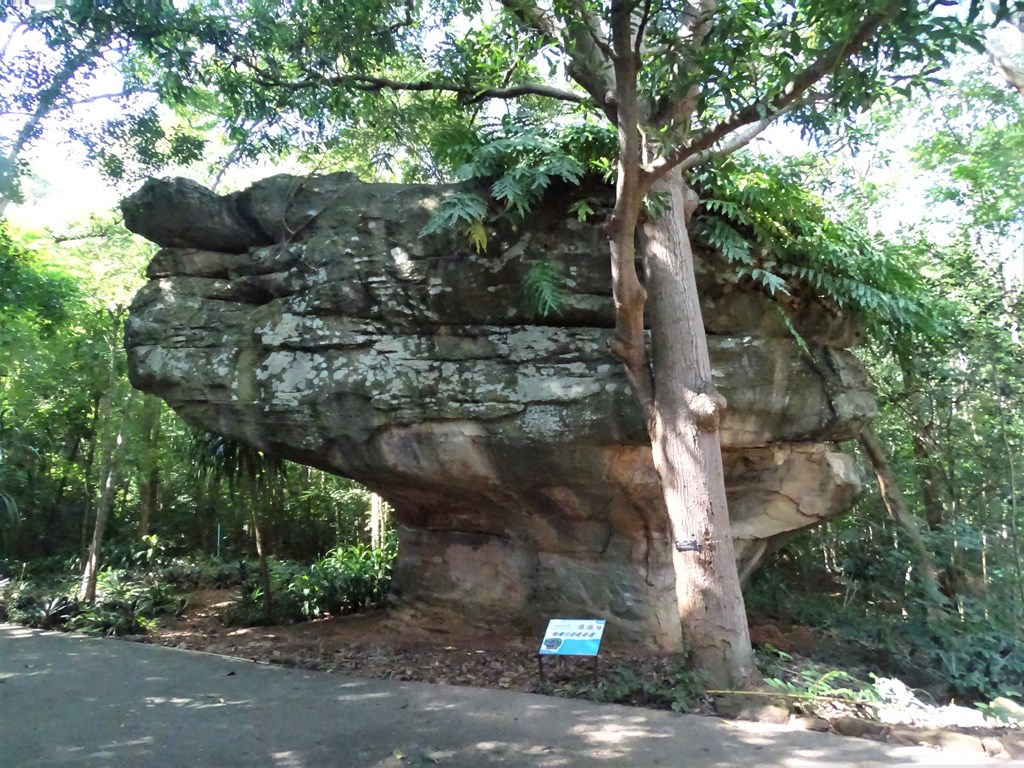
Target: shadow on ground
{"x": 68, "y": 700}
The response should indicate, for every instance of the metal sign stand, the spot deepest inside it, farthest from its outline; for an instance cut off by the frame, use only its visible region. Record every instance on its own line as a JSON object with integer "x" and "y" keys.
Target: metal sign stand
{"x": 560, "y": 640}
{"x": 542, "y": 678}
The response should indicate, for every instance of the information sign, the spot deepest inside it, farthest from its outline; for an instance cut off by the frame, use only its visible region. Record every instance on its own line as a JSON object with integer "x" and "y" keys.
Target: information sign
{"x": 572, "y": 637}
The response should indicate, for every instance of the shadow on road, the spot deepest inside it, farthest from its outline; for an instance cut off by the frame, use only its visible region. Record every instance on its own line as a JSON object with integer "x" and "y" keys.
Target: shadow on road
{"x": 68, "y": 700}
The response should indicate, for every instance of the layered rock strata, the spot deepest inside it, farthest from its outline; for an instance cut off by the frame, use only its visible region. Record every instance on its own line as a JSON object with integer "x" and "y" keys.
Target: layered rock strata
{"x": 311, "y": 318}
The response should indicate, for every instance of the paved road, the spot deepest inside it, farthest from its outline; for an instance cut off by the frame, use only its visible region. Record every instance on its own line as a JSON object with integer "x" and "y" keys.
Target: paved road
{"x": 67, "y": 700}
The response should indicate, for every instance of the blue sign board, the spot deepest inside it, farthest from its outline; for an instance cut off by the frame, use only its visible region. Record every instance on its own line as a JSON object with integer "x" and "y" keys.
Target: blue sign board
{"x": 572, "y": 637}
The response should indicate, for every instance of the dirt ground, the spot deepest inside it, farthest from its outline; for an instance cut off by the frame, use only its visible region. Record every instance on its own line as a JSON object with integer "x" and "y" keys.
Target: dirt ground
{"x": 371, "y": 646}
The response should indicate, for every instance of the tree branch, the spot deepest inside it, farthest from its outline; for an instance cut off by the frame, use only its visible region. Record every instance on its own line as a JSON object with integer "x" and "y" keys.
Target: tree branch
{"x": 13, "y": 33}
{"x": 587, "y": 64}
{"x": 641, "y": 28}
{"x": 373, "y": 83}
{"x": 48, "y": 97}
{"x": 698, "y": 27}
{"x": 771, "y": 109}
{"x": 627, "y": 341}
{"x": 72, "y": 103}
{"x": 742, "y": 138}
{"x": 585, "y": 28}
{"x": 406, "y": 21}
{"x": 370, "y": 83}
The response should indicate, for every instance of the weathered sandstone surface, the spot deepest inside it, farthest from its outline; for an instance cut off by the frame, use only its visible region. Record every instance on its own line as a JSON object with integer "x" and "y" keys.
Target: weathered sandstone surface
{"x": 309, "y": 317}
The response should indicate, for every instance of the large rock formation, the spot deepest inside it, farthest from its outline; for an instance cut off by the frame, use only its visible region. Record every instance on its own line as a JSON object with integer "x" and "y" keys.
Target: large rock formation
{"x": 310, "y": 318}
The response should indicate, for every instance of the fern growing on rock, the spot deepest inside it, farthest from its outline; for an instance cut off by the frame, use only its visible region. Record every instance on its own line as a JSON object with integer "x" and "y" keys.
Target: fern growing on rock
{"x": 775, "y": 231}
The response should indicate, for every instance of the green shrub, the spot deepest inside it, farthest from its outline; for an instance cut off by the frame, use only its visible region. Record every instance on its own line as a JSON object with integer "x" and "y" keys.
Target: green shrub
{"x": 42, "y": 602}
{"x": 346, "y": 580}
{"x": 676, "y": 685}
{"x": 191, "y": 573}
{"x": 886, "y": 624}
{"x": 126, "y": 605}
{"x": 679, "y": 690}
{"x": 147, "y": 552}
{"x": 974, "y": 660}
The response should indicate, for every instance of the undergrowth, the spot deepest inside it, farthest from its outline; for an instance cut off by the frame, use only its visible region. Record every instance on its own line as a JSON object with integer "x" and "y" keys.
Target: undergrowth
{"x": 140, "y": 585}
{"x": 346, "y": 580}
{"x": 959, "y": 655}
{"x": 812, "y": 687}
{"x": 126, "y": 603}
{"x": 675, "y": 685}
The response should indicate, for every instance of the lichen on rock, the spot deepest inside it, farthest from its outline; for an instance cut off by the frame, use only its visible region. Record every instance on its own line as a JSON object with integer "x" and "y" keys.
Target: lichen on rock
{"x": 309, "y": 317}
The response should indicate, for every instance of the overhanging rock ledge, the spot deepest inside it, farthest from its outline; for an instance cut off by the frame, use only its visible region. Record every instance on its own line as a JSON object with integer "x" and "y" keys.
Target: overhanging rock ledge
{"x": 309, "y": 317}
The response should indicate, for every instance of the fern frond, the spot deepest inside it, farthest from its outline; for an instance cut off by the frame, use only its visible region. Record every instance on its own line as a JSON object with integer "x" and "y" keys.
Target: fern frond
{"x": 582, "y": 209}
{"x": 755, "y": 200}
{"x": 511, "y": 192}
{"x": 476, "y": 233}
{"x": 457, "y": 208}
{"x": 543, "y": 283}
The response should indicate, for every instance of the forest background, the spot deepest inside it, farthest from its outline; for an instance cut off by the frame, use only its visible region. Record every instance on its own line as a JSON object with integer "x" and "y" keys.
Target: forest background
{"x": 924, "y": 577}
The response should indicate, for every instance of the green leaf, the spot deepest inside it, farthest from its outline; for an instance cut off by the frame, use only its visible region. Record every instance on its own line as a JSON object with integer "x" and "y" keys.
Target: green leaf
{"x": 582, "y": 209}
{"x": 457, "y": 208}
{"x": 772, "y": 282}
{"x": 543, "y": 284}
{"x": 477, "y": 235}
{"x": 656, "y": 204}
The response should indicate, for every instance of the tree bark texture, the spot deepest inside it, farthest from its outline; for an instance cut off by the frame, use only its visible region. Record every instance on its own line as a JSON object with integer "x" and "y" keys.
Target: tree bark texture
{"x": 688, "y": 454}
{"x": 90, "y": 461}
{"x": 150, "y": 480}
{"x": 378, "y": 521}
{"x": 111, "y": 462}
{"x": 628, "y": 343}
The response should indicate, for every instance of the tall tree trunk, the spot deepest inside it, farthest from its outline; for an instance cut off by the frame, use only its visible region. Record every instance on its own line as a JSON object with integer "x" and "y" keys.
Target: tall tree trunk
{"x": 687, "y": 452}
{"x": 1011, "y": 477}
{"x": 98, "y": 421}
{"x": 251, "y": 497}
{"x": 678, "y": 399}
{"x": 929, "y": 477}
{"x": 150, "y": 485}
{"x": 111, "y": 462}
{"x": 378, "y": 521}
{"x": 899, "y": 511}
{"x": 211, "y": 507}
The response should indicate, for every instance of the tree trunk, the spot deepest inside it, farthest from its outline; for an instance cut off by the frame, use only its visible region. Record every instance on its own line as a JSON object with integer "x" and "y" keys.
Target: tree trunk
{"x": 150, "y": 485}
{"x": 90, "y": 460}
{"x": 1011, "y": 477}
{"x": 378, "y": 521}
{"x": 251, "y": 496}
{"x": 267, "y": 598}
{"x": 679, "y": 401}
{"x": 687, "y": 452}
{"x": 111, "y": 461}
{"x": 930, "y": 479}
{"x": 211, "y": 510}
{"x": 899, "y": 511}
